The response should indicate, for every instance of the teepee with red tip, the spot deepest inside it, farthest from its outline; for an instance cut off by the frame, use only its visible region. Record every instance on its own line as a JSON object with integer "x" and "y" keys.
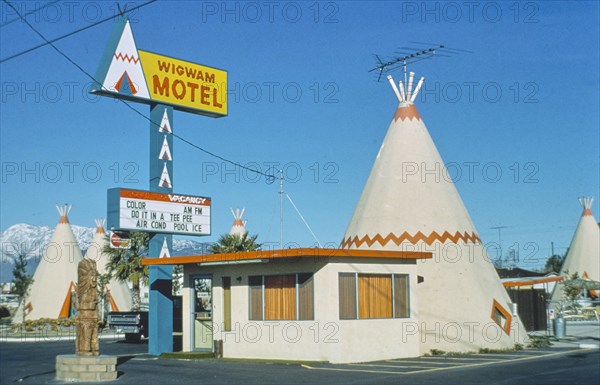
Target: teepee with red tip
{"x": 409, "y": 203}
{"x": 121, "y": 68}
{"x": 239, "y": 225}
{"x": 119, "y": 295}
{"x": 52, "y": 293}
{"x": 584, "y": 252}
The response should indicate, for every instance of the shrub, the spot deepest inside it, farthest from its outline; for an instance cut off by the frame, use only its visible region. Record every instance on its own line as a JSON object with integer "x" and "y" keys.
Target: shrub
{"x": 538, "y": 342}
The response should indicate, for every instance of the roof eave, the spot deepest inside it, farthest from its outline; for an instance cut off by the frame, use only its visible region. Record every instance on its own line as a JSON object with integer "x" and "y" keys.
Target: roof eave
{"x": 288, "y": 253}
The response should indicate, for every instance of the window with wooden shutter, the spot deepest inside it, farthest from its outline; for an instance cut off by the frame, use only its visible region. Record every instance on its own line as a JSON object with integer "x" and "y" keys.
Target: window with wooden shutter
{"x": 401, "y": 300}
{"x": 281, "y": 297}
{"x": 256, "y": 297}
{"x": 347, "y": 288}
{"x": 374, "y": 296}
{"x": 370, "y": 296}
{"x": 226, "y": 303}
{"x": 306, "y": 297}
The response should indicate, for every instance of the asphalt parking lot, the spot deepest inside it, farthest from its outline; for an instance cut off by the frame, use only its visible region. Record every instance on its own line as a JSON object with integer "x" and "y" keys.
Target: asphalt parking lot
{"x": 408, "y": 366}
{"x": 33, "y": 363}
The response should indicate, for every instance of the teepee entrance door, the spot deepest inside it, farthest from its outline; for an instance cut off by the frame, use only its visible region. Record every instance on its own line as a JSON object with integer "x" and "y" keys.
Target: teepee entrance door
{"x": 202, "y": 330}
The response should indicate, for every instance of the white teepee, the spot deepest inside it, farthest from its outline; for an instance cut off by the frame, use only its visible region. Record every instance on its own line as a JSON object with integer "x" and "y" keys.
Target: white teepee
{"x": 410, "y": 203}
{"x": 165, "y": 125}
{"x": 165, "y": 179}
{"x": 119, "y": 295}
{"x": 124, "y": 75}
{"x": 584, "y": 252}
{"x": 165, "y": 151}
{"x": 239, "y": 225}
{"x": 53, "y": 290}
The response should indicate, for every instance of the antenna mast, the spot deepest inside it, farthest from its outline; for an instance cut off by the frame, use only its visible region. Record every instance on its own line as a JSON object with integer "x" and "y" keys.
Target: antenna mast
{"x": 281, "y": 209}
{"x": 499, "y": 228}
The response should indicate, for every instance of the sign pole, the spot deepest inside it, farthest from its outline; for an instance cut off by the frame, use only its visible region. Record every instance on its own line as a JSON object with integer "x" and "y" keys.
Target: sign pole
{"x": 160, "y": 280}
{"x": 164, "y": 83}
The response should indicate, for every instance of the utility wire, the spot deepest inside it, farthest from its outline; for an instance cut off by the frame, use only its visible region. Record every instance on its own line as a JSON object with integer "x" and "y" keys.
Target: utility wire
{"x": 68, "y": 34}
{"x": 304, "y": 220}
{"x": 269, "y": 177}
{"x": 29, "y": 13}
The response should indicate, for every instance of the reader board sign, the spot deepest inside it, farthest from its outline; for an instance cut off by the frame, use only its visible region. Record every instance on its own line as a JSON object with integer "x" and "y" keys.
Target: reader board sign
{"x": 146, "y": 77}
{"x": 137, "y": 210}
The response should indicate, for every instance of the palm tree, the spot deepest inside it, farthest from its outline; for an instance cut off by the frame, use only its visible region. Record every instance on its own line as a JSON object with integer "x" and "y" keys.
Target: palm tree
{"x": 554, "y": 263}
{"x": 126, "y": 264}
{"x": 233, "y": 243}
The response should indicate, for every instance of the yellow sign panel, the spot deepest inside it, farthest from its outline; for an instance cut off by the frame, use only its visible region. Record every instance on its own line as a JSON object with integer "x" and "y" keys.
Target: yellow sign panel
{"x": 185, "y": 84}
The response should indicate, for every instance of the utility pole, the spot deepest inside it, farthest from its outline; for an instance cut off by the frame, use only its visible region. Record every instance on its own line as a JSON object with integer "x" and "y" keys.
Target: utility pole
{"x": 499, "y": 228}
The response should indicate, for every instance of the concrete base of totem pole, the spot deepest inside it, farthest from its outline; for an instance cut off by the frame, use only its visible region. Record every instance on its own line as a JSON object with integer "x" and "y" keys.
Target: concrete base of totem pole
{"x": 71, "y": 367}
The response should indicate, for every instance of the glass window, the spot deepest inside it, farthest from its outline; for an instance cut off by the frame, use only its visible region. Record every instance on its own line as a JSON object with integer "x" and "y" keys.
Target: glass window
{"x": 374, "y": 296}
{"x": 401, "y": 299}
{"x": 347, "y": 285}
{"x": 501, "y": 316}
{"x": 256, "y": 297}
{"x": 282, "y": 297}
{"x": 306, "y": 297}
{"x": 369, "y": 296}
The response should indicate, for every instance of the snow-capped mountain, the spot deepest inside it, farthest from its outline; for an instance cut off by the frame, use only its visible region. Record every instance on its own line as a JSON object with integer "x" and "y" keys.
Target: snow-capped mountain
{"x": 31, "y": 240}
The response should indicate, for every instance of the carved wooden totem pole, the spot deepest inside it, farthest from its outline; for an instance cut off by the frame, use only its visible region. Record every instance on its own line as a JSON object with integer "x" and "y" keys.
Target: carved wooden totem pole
{"x": 87, "y": 303}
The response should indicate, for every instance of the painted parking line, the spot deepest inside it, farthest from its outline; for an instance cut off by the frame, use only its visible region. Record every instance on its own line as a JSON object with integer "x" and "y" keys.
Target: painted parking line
{"x": 385, "y": 368}
{"x": 351, "y": 370}
{"x": 524, "y": 353}
{"x": 395, "y": 366}
{"x": 442, "y": 359}
{"x": 429, "y": 362}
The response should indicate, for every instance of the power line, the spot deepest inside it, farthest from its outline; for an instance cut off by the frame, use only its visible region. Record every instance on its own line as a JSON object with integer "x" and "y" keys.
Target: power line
{"x": 29, "y": 13}
{"x": 70, "y": 33}
{"x": 269, "y": 177}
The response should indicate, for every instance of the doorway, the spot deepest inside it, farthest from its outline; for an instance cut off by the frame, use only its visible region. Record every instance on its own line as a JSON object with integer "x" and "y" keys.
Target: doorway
{"x": 202, "y": 311}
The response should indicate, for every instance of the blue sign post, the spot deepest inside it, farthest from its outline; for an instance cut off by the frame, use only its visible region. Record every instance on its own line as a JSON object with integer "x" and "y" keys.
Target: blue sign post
{"x": 121, "y": 75}
{"x": 160, "y": 312}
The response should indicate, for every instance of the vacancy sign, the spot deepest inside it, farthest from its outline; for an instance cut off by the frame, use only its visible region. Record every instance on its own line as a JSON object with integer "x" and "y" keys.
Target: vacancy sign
{"x": 136, "y": 210}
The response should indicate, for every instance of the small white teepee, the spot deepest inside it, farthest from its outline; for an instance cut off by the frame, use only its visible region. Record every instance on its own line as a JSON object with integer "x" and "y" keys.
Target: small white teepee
{"x": 165, "y": 125}
{"x": 409, "y": 204}
{"x": 53, "y": 290}
{"x": 119, "y": 295}
{"x": 584, "y": 252}
{"x": 165, "y": 179}
{"x": 165, "y": 151}
{"x": 239, "y": 225}
{"x": 124, "y": 74}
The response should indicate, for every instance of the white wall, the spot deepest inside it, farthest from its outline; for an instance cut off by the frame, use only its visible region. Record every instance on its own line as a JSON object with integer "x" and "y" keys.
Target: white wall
{"x": 326, "y": 338}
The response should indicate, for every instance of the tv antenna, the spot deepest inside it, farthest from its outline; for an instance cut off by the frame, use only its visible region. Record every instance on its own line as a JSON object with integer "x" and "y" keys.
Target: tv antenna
{"x": 404, "y": 61}
{"x": 404, "y": 90}
{"x": 411, "y": 55}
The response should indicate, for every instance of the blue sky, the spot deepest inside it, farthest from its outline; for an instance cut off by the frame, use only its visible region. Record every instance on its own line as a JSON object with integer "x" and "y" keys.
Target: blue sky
{"x": 524, "y": 103}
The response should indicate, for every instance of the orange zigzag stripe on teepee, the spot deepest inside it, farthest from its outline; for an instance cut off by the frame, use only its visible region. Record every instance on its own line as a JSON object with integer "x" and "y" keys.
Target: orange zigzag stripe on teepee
{"x": 126, "y": 57}
{"x": 405, "y": 236}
